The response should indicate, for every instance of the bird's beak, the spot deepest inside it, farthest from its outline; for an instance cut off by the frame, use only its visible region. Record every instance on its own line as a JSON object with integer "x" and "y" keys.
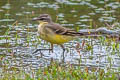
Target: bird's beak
{"x": 35, "y": 19}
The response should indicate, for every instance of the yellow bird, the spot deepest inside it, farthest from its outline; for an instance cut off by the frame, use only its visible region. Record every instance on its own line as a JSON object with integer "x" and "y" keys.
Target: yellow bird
{"x": 53, "y": 32}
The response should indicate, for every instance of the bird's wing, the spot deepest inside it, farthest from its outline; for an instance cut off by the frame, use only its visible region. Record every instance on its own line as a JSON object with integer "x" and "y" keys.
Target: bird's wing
{"x": 58, "y": 29}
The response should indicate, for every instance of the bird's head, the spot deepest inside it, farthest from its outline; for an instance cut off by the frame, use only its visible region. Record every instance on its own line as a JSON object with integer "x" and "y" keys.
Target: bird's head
{"x": 43, "y": 18}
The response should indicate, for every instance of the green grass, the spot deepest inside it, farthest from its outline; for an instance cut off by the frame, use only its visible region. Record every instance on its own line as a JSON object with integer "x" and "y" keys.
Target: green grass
{"x": 56, "y": 71}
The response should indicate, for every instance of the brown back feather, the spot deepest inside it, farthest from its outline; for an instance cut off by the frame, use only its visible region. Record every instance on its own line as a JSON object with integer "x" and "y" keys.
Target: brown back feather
{"x": 58, "y": 29}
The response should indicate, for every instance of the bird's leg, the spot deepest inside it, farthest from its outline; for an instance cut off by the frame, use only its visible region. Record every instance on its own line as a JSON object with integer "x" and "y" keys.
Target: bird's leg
{"x": 63, "y": 52}
{"x": 50, "y": 49}
{"x": 39, "y": 50}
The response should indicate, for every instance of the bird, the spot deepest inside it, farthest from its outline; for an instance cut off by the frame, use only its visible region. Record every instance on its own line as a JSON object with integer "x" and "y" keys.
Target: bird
{"x": 53, "y": 32}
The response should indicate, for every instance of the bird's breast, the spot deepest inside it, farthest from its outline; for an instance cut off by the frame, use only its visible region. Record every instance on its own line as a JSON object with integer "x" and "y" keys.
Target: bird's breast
{"x": 41, "y": 27}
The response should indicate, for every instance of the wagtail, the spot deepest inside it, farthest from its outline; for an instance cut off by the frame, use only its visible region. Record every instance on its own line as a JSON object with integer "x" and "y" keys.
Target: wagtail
{"x": 53, "y": 32}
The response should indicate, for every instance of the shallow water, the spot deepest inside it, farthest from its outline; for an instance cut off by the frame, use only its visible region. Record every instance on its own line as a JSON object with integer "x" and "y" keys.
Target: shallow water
{"x": 18, "y": 34}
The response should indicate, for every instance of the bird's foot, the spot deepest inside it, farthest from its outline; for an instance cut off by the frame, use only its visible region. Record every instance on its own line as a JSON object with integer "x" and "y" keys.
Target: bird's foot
{"x": 42, "y": 50}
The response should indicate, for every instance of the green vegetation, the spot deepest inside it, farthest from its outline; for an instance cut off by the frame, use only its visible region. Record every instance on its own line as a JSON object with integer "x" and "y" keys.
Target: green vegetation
{"x": 56, "y": 71}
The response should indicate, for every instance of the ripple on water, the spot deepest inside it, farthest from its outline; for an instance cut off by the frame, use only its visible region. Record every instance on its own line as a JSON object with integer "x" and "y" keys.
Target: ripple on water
{"x": 84, "y": 16}
{"x": 113, "y": 5}
{"x": 6, "y": 20}
{"x": 7, "y": 14}
{"x": 1, "y": 10}
{"x": 107, "y": 19}
{"x": 19, "y": 14}
{"x": 6, "y": 6}
{"x": 43, "y": 5}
